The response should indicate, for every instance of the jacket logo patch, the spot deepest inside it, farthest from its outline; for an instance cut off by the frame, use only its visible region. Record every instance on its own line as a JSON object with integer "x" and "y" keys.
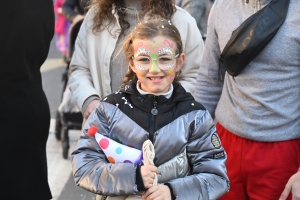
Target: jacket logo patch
{"x": 215, "y": 141}
{"x": 219, "y": 155}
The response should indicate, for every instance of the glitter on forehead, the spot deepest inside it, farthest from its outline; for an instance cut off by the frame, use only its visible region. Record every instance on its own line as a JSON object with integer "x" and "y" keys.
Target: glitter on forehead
{"x": 143, "y": 51}
{"x": 165, "y": 50}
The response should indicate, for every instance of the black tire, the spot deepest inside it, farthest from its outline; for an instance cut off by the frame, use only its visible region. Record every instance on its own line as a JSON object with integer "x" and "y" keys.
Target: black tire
{"x": 58, "y": 126}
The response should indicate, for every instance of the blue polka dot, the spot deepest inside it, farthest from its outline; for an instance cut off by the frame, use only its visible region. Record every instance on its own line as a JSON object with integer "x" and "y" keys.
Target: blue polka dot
{"x": 119, "y": 150}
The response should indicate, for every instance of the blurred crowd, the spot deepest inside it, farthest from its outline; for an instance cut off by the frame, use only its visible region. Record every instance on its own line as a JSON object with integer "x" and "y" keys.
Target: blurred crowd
{"x": 205, "y": 92}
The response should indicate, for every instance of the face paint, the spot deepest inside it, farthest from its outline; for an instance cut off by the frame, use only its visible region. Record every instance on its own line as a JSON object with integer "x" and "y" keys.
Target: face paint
{"x": 142, "y": 51}
{"x": 164, "y": 50}
{"x": 152, "y": 54}
{"x": 167, "y": 42}
{"x": 154, "y": 66}
{"x": 171, "y": 72}
{"x": 154, "y": 47}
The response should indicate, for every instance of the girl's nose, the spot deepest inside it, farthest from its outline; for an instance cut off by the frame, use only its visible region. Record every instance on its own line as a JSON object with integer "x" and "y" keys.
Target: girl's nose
{"x": 154, "y": 67}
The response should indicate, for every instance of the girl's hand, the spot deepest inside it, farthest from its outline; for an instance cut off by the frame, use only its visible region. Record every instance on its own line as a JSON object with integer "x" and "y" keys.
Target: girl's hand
{"x": 90, "y": 108}
{"x": 147, "y": 173}
{"x": 157, "y": 192}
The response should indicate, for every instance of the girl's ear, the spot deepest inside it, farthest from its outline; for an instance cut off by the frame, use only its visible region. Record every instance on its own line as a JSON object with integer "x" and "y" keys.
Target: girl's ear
{"x": 180, "y": 61}
{"x": 131, "y": 65}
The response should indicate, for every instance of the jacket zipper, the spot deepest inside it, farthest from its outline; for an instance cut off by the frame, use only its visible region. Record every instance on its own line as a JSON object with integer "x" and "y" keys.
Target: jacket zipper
{"x": 154, "y": 112}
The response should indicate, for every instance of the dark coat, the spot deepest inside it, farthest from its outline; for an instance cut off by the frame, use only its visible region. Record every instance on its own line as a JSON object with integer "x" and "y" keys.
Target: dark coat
{"x": 71, "y": 8}
{"x": 27, "y": 28}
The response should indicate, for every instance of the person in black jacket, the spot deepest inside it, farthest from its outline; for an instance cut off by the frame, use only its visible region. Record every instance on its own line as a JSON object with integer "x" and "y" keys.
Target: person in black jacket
{"x": 26, "y": 33}
{"x": 74, "y": 10}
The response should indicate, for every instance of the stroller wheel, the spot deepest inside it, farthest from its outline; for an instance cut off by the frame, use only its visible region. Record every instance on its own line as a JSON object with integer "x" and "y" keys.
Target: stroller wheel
{"x": 58, "y": 126}
{"x": 65, "y": 150}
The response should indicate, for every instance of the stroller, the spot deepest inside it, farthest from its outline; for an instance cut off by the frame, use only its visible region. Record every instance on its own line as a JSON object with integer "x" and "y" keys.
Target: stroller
{"x": 68, "y": 115}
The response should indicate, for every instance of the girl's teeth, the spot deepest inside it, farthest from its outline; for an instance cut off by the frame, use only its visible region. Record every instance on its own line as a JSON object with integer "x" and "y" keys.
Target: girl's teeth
{"x": 154, "y": 78}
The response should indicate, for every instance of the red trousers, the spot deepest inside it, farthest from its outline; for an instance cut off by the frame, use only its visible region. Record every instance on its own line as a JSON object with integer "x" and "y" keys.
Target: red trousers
{"x": 258, "y": 170}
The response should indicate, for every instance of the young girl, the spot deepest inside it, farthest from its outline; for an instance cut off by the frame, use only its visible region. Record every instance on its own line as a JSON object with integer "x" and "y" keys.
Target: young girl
{"x": 189, "y": 158}
{"x": 97, "y": 68}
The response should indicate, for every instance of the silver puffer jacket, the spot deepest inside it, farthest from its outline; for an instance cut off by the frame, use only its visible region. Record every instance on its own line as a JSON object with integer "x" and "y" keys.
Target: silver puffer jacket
{"x": 188, "y": 151}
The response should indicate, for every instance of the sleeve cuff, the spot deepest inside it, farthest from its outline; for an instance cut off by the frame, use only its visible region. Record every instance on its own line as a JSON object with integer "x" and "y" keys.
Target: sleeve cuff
{"x": 88, "y": 101}
{"x": 139, "y": 180}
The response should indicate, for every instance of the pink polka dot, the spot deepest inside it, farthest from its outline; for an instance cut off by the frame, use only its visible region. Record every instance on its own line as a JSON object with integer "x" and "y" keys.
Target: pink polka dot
{"x": 104, "y": 143}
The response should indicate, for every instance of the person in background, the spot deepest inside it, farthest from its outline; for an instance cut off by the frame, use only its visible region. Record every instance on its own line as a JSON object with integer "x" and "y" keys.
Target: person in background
{"x": 26, "y": 34}
{"x": 61, "y": 29}
{"x": 181, "y": 129}
{"x": 199, "y": 9}
{"x": 74, "y": 10}
{"x": 97, "y": 66}
{"x": 258, "y": 111}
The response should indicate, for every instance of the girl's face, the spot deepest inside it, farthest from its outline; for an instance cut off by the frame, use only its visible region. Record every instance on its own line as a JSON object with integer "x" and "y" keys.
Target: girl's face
{"x": 155, "y": 62}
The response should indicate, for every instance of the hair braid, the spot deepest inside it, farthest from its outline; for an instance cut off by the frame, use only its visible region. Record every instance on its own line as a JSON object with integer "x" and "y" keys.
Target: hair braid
{"x": 130, "y": 76}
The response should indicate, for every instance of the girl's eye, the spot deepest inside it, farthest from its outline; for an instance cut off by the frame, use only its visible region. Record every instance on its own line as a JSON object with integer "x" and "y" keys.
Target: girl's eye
{"x": 165, "y": 59}
{"x": 143, "y": 59}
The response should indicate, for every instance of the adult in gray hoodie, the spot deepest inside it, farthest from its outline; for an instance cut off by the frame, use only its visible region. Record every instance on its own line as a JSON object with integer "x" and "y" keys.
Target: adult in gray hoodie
{"x": 258, "y": 111}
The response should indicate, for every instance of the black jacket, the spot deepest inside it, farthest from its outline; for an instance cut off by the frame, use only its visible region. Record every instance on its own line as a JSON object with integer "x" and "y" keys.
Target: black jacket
{"x": 27, "y": 28}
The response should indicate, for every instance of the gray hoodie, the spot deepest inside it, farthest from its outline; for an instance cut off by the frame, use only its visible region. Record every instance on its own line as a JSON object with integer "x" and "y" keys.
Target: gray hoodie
{"x": 263, "y": 102}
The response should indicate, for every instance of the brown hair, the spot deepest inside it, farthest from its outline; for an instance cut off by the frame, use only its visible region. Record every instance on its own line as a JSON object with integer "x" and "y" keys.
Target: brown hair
{"x": 104, "y": 17}
{"x": 150, "y": 28}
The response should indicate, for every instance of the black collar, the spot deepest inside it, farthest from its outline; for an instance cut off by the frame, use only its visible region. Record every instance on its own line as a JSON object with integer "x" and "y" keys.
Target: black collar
{"x": 145, "y": 102}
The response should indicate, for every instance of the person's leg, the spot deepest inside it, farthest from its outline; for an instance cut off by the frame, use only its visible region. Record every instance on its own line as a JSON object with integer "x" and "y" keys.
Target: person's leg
{"x": 269, "y": 166}
{"x": 233, "y": 148}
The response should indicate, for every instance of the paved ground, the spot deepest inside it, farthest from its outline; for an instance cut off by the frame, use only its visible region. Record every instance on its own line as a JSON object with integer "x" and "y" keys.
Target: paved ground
{"x": 59, "y": 169}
